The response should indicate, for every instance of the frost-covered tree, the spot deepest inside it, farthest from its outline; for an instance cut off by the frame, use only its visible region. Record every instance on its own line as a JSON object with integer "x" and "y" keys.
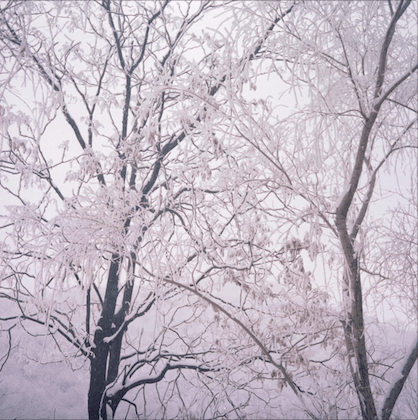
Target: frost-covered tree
{"x": 167, "y": 220}
{"x": 344, "y": 162}
{"x": 137, "y": 232}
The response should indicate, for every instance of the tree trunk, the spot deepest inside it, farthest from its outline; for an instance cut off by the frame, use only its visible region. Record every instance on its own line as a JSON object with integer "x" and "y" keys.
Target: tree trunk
{"x": 97, "y": 380}
{"x": 356, "y": 350}
{"x": 99, "y": 359}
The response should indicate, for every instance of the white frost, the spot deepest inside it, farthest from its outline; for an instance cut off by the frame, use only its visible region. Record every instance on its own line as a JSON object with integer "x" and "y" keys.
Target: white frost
{"x": 342, "y": 195}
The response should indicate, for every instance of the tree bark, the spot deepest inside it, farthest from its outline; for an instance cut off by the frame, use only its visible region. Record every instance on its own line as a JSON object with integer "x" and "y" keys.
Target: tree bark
{"x": 100, "y": 353}
{"x": 399, "y": 382}
{"x": 353, "y": 323}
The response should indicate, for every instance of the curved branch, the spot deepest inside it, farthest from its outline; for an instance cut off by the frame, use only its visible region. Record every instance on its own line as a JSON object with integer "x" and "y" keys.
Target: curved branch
{"x": 280, "y": 367}
{"x": 381, "y": 71}
{"x": 114, "y": 398}
{"x": 369, "y": 194}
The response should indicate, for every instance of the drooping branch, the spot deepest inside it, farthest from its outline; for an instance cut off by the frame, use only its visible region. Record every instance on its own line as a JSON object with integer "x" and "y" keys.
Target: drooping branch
{"x": 56, "y": 85}
{"x": 296, "y": 390}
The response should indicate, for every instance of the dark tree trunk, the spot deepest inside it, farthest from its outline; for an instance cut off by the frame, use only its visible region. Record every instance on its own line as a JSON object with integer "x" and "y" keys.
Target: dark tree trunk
{"x": 100, "y": 356}
{"x": 97, "y": 380}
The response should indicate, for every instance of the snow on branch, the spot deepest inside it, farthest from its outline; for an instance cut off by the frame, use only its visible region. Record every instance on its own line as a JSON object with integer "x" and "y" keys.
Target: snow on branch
{"x": 342, "y": 195}
{"x": 377, "y": 102}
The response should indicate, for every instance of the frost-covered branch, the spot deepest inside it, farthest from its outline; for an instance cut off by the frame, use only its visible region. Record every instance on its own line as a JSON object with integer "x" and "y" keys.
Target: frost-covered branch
{"x": 399, "y": 377}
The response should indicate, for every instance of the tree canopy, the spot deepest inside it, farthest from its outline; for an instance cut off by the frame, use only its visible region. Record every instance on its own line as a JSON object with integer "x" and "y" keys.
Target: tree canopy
{"x": 213, "y": 202}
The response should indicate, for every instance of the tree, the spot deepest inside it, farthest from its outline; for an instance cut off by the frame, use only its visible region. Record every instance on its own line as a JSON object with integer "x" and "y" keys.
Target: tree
{"x": 117, "y": 239}
{"x": 188, "y": 234}
{"x": 356, "y": 63}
